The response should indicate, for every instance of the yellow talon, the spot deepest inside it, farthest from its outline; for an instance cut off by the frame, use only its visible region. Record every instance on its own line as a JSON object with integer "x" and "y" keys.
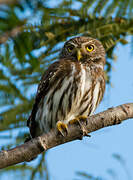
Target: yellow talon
{"x": 81, "y": 120}
{"x": 82, "y": 117}
{"x": 78, "y": 120}
{"x": 62, "y": 128}
{"x": 74, "y": 121}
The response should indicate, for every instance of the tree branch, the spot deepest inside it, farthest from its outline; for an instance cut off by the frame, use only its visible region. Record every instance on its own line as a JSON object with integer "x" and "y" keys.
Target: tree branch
{"x": 7, "y": 2}
{"x": 31, "y": 149}
{"x": 10, "y": 34}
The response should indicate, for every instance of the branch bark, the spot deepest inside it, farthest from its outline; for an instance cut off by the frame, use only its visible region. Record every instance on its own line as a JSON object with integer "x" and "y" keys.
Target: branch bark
{"x": 7, "y": 2}
{"x": 31, "y": 149}
{"x": 10, "y": 34}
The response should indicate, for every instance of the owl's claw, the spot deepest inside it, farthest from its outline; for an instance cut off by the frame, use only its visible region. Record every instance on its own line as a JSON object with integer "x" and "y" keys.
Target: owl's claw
{"x": 62, "y": 128}
{"x": 80, "y": 120}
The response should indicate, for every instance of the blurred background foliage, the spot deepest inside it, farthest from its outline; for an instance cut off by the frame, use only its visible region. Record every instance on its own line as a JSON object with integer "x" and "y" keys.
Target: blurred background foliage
{"x": 31, "y": 35}
{"x": 111, "y": 172}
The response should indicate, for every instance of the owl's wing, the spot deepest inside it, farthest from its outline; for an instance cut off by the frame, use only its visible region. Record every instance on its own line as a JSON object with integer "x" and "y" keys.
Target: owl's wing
{"x": 42, "y": 90}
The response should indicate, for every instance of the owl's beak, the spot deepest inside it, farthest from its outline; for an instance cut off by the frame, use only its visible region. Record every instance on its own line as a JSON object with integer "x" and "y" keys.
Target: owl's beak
{"x": 79, "y": 55}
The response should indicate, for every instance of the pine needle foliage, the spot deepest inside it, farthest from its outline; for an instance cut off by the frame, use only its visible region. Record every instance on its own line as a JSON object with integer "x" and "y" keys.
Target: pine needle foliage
{"x": 31, "y": 35}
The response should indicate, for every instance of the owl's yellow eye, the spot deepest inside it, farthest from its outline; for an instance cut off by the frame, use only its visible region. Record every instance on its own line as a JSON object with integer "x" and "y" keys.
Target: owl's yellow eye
{"x": 70, "y": 48}
{"x": 90, "y": 48}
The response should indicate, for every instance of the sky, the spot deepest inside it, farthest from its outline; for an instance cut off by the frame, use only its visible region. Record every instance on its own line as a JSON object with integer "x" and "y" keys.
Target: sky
{"x": 94, "y": 155}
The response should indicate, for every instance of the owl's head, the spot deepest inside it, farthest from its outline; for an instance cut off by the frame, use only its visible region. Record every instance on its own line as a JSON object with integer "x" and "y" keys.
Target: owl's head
{"x": 83, "y": 49}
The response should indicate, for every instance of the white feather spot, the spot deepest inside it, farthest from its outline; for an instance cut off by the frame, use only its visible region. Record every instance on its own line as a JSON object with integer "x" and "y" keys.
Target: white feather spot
{"x": 95, "y": 96}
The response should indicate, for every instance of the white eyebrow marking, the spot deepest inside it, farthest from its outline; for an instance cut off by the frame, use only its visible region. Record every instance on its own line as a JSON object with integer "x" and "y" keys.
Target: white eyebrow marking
{"x": 71, "y": 43}
{"x": 89, "y": 42}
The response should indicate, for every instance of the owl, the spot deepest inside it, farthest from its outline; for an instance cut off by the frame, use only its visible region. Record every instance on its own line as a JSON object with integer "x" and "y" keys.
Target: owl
{"x": 71, "y": 88}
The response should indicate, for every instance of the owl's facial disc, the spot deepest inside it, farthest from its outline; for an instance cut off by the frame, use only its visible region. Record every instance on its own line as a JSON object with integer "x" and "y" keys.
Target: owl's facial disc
{"x": 79, "y": 54}
{"x": 70, "y": 48}
{"x": 84, "y": 51}
{"x": 74, "y": 50}
{"x": 90, "y": 48}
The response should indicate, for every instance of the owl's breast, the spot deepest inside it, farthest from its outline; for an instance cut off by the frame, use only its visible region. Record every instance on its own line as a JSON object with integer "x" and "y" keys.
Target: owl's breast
{"x": 89, "y": 92}
{"x": 80, "y": 94}
{"x": 76, "y": 94}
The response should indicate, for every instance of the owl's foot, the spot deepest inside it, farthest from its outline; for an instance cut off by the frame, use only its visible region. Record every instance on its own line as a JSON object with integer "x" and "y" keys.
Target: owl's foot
{"x": 80, "y": 120}
{"x": 62, "y": 128}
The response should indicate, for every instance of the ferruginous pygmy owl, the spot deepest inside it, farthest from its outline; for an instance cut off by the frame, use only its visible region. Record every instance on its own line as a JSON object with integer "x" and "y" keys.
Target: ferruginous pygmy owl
{"x": 71, "y": 88}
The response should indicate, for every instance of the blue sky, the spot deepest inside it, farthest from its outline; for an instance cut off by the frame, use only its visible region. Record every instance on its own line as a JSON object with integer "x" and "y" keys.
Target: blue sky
{"x": 94, "y": 155}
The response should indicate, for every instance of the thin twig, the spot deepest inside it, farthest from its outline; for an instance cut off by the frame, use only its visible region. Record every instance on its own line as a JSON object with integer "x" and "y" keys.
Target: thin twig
{"x": 10, "y": 34}
{"x": 7, "y": 2}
